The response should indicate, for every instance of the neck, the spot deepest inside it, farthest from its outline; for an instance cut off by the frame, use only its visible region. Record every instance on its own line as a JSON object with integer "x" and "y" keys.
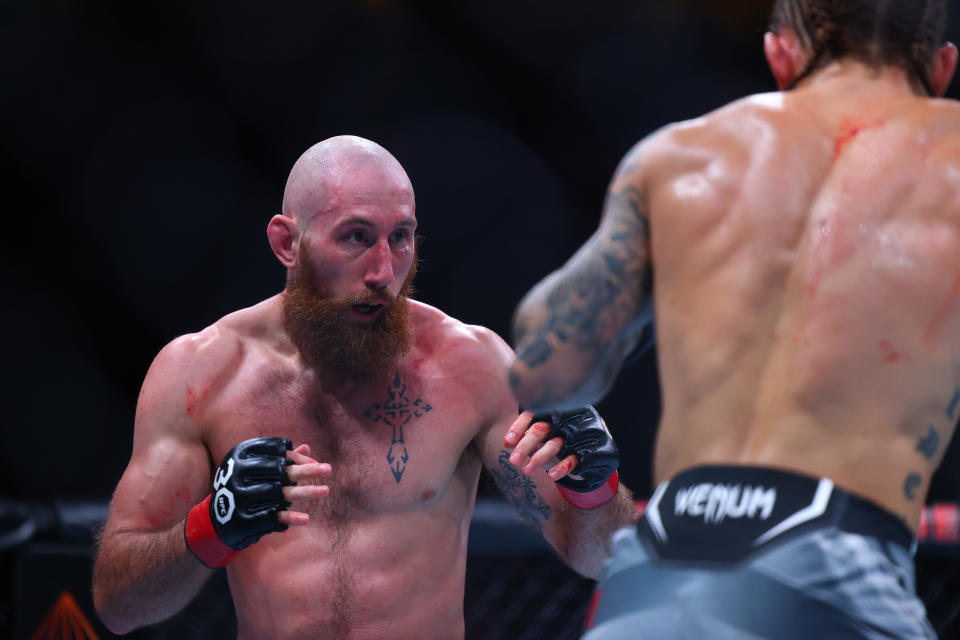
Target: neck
{"x": 848, "y": 76}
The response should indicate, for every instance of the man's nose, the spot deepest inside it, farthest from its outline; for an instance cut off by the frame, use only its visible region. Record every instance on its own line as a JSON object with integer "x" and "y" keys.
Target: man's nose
{"x": 379, "y": 273}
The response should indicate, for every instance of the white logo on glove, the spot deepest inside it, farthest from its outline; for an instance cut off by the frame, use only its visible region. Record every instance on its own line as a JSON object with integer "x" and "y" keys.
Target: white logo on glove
{"x": 220, "y": 478}
{"x": 223, "y": 505}
{"x": 223, "y": 501}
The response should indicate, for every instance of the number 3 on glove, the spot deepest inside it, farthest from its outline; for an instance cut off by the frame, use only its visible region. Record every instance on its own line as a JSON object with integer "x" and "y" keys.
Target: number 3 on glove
{"x": 247, "y": 495}
{"x": 585, "y": 434}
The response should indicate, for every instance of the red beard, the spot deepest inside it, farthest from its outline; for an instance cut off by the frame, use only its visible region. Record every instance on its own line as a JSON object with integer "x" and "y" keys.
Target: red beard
{"x": 339, "y": 349}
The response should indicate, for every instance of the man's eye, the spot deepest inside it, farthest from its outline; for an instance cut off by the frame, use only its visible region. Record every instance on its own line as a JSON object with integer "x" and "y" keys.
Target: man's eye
{"x": 357, "y": 236}
{"x": 400, "y": 235}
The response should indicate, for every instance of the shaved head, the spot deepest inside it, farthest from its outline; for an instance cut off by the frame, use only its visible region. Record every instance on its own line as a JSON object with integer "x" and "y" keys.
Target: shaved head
{"x": 341, "y": 170}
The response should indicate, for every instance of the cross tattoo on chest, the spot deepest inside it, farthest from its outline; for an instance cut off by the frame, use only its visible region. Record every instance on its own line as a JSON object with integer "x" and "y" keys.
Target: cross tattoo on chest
{"x": 397, "y": 411}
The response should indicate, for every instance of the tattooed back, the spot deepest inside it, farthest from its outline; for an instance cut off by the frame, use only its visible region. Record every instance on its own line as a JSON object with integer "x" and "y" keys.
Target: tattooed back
{"x": 806, "y": 281}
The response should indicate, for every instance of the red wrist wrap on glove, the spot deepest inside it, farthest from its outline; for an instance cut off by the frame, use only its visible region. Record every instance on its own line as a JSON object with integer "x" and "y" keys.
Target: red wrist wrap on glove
{"x": 202, "y": 541}
{"x": 592, "y": 499}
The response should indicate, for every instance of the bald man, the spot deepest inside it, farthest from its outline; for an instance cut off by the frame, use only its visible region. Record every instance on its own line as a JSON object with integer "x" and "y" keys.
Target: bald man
{"x": 360, "y": 530}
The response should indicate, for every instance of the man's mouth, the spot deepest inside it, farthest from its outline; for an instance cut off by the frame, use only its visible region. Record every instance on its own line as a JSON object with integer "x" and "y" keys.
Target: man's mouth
{"x": 368, "y": 309}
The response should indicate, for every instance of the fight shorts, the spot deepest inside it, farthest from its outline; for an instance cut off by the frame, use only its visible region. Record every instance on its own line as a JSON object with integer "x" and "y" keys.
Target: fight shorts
{"x": 746, "y": 553}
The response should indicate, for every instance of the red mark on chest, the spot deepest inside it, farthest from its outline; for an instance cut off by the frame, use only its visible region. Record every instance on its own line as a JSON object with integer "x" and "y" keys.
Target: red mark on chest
{"x": 427, "y": 495}
{"x": 936, "y": 324}
{"x": 889, "y": 354}
{"x": 850, "y": 129}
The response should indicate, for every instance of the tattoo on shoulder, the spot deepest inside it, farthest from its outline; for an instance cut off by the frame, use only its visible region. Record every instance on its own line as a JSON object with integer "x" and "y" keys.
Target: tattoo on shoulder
{"x": 397, "y": 410}
{"x": 604, "y": 287}
{"x": 521, "y": 491}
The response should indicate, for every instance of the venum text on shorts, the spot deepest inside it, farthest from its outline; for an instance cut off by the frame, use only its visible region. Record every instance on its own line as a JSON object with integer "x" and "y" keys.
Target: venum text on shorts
{"x": 716, "y": 502}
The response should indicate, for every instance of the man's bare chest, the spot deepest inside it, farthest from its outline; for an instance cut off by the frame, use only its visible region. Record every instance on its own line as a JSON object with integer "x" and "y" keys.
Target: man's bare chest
{"x": 396, "y": 445}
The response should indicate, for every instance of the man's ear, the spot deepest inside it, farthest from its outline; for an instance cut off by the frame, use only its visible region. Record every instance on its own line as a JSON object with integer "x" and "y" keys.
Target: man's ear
{"x": 281, "y": 230}
{"x": 785, "y": 55}
{"x": 944, "y": 66}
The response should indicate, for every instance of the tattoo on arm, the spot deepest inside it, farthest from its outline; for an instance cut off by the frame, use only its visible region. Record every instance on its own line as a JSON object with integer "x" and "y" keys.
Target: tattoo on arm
{"x": 601, "y": 291}
{"x": 521, "y": 491}
{"x": 928, "y": 444}
{"x": 911, "y": 484}
{"x": 951, "y": 409}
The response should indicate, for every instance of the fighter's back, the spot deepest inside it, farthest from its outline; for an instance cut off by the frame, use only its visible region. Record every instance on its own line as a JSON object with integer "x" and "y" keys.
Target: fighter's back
{"x": 806, "y": 261}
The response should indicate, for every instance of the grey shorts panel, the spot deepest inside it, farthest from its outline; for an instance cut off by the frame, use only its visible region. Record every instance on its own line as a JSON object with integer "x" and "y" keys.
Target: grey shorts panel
{"x": 826, "y": 584}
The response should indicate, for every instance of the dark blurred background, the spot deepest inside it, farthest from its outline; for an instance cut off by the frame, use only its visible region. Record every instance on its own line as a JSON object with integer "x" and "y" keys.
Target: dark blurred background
{"x": 146, "y": 146}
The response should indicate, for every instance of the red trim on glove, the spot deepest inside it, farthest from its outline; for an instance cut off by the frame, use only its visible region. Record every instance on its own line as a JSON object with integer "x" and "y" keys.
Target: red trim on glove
{"x": 592, "y": 608}
{"x": 202, "y": 541}
{"x": 592, "y": 499}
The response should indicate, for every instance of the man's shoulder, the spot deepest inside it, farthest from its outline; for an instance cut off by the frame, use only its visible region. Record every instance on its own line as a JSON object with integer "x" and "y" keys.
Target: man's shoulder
{"x": 944, "y": 116}
{"x": 218, "y": 347}
{"x": 700, "y": 137}
{"x": 724, "y": 121}
{"x": 449, "y": 339}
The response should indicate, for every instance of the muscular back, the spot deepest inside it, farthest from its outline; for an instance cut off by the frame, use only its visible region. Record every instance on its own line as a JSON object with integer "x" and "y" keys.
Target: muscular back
{"x": 806, "y": 282}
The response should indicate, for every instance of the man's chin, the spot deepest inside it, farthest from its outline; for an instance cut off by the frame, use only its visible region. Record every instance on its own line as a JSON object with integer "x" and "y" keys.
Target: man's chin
{"x": 344, "y": 346}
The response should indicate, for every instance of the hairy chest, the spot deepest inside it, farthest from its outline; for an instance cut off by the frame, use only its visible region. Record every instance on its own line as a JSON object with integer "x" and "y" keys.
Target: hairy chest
{"x": 396, "y": 445}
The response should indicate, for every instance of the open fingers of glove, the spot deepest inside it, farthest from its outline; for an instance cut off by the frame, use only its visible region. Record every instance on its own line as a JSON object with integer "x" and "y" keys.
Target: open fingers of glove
{"x": 293, "y": 518}
{"x": 311, "y": 470}
{"x": 517, "y": 429}
{"x": 564, "y": 467}
{"x": 301, "y": 455}
{"x": 305, "y": 492}
{"x": 545, "y": 455}
{"x": 534, "y": 435}
{"x": 303, "y": 450}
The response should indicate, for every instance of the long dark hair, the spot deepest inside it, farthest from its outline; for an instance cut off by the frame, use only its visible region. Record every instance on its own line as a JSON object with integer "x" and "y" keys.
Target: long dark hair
{"x": 905, "y": 33}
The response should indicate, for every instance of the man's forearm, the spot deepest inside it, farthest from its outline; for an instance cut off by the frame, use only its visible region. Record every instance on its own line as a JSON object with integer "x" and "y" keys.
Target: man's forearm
{"x": 586, "y": 547}
{"x": 142, "y": 577}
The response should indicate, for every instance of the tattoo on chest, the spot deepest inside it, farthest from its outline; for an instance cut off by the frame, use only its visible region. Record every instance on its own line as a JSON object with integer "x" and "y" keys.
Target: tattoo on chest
{"x": 397, "y": 410}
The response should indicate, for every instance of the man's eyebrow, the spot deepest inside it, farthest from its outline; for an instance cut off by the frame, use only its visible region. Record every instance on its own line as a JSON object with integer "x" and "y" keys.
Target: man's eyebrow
{"x": 363, "y": 222}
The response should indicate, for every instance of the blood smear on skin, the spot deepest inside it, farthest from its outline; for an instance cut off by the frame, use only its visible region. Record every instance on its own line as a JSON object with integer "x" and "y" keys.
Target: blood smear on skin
{"x": 850, "y": 129}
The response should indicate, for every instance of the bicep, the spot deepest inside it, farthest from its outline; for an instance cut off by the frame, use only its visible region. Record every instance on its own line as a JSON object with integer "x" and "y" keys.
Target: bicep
{"x": 169, "y": 469}
{"x": 160, "y": 484}
{"x": 575, "y": 328}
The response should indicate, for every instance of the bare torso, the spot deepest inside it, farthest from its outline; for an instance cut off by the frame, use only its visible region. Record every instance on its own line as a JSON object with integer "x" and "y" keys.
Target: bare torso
{"x": 806, "y": 251}
{"x": 383, "y": 555}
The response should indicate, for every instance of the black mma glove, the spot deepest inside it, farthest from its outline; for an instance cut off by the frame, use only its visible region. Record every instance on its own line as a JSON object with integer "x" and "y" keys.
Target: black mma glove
{"x": 585, "y": 434}
{"x": 243, "y": 506}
